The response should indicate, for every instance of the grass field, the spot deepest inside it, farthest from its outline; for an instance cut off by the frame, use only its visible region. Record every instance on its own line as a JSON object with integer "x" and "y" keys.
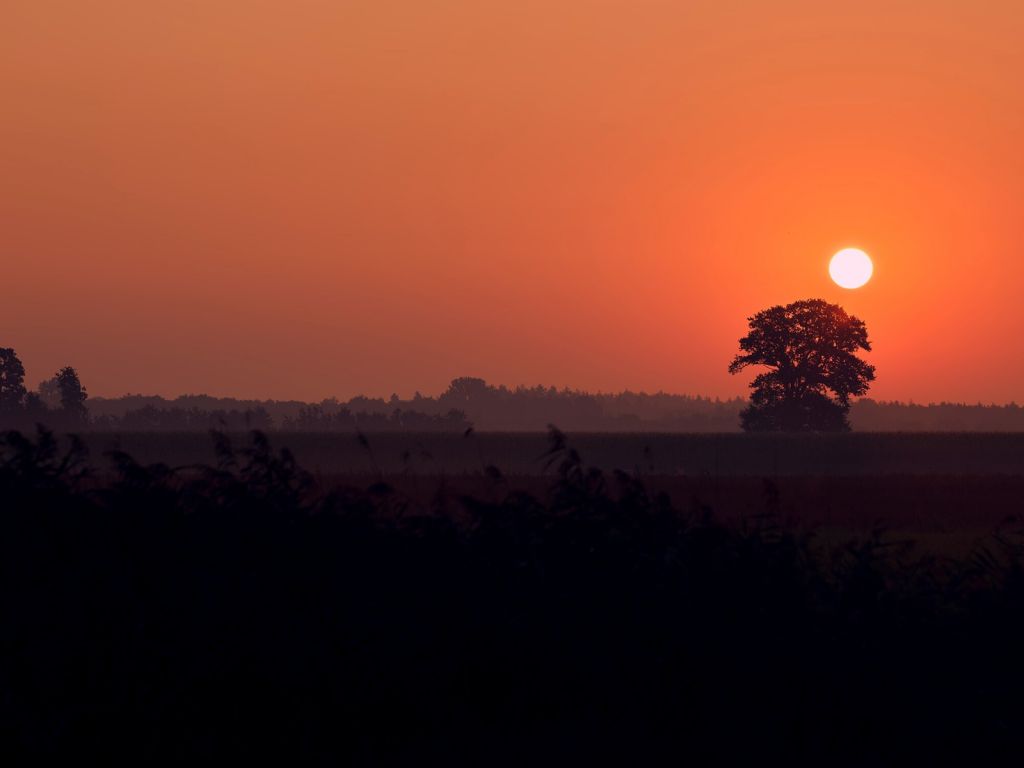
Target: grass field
{"x": 947, "y": 493}
{"x": 937, "y": 514}
{"x": 696, "y": 455}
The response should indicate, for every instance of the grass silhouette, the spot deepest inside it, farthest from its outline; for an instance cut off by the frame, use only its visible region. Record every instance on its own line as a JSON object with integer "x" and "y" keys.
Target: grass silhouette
{"x": 239, "y": 611}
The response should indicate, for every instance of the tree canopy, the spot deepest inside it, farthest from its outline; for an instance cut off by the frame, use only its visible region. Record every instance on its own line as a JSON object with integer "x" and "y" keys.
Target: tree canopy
{"x": 810, "y": 349}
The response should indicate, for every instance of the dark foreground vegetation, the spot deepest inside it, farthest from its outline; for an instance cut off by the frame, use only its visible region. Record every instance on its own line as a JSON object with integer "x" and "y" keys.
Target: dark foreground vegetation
{"x": 238, "y": 611}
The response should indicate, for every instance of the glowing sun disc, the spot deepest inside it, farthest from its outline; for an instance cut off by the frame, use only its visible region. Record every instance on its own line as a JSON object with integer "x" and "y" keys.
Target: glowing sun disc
{"x": 850, "y": 268}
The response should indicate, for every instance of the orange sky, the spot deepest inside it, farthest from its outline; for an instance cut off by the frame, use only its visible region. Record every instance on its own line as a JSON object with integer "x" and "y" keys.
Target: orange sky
{"x": 300, "y": 198}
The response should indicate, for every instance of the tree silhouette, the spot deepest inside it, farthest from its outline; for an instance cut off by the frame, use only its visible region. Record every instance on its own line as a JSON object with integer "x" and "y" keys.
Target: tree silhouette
{"x": 466, "y": 390}
{"x": 810, "y": 348}
{"x": 72, "y": 394}
{"x": 12, "y": 381}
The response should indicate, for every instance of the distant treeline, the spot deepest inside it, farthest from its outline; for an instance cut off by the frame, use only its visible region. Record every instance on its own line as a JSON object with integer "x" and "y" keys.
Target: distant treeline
{"x": 309, "y": 418}
{"x": 472, "y": 401}
{"x": 61, "y": 402}
{"x": 870, "y": 415}
{"x": 58, "y": 402}
{"x": 466, "y": 402}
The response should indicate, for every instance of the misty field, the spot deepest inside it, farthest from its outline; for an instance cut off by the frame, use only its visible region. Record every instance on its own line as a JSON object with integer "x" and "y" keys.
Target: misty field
{"x": 695, "y": 455}
{"x": 945, "y": 493}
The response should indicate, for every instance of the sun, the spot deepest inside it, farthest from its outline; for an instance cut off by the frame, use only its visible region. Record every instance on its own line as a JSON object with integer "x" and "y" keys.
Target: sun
{"x": 850, "y": 268}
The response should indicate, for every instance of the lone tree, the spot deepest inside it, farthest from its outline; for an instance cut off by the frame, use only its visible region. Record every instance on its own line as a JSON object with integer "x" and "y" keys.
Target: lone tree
{"x": 810, "y": 350}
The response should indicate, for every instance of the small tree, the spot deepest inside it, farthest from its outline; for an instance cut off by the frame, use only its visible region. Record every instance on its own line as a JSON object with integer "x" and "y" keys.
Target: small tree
{"x": 12, "y": 381}
{"x": 72, "y": 395}
{"x": 466, "y": 389}
{"x": 810, "y": 350}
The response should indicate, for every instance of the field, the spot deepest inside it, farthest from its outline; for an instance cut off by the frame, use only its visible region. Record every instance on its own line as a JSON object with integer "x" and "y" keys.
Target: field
{"x": 946, "y": 492}
{"x": 692, "y": 455}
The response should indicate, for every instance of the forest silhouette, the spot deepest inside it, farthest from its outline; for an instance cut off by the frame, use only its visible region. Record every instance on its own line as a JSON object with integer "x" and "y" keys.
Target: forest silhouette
{"x": 467, "y": 402}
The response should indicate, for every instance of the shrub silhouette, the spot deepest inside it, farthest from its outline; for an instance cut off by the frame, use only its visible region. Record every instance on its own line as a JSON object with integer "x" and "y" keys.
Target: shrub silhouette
{"x": 237, "y": 612}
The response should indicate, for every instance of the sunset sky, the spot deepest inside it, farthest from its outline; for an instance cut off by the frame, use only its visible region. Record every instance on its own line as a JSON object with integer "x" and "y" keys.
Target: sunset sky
{"x": 304, "y": 198}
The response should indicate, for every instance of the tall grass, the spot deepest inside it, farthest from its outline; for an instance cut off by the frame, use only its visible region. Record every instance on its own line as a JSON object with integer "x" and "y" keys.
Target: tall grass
{"x": 237, "y": 611}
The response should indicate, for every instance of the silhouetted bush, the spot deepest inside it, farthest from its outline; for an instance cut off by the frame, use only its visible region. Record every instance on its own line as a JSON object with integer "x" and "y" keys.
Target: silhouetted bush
{"x": 237, "y": 611}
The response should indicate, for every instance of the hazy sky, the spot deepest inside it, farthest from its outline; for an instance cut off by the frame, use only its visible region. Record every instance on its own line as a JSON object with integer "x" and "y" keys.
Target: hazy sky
{"x": 299, "y": 198}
